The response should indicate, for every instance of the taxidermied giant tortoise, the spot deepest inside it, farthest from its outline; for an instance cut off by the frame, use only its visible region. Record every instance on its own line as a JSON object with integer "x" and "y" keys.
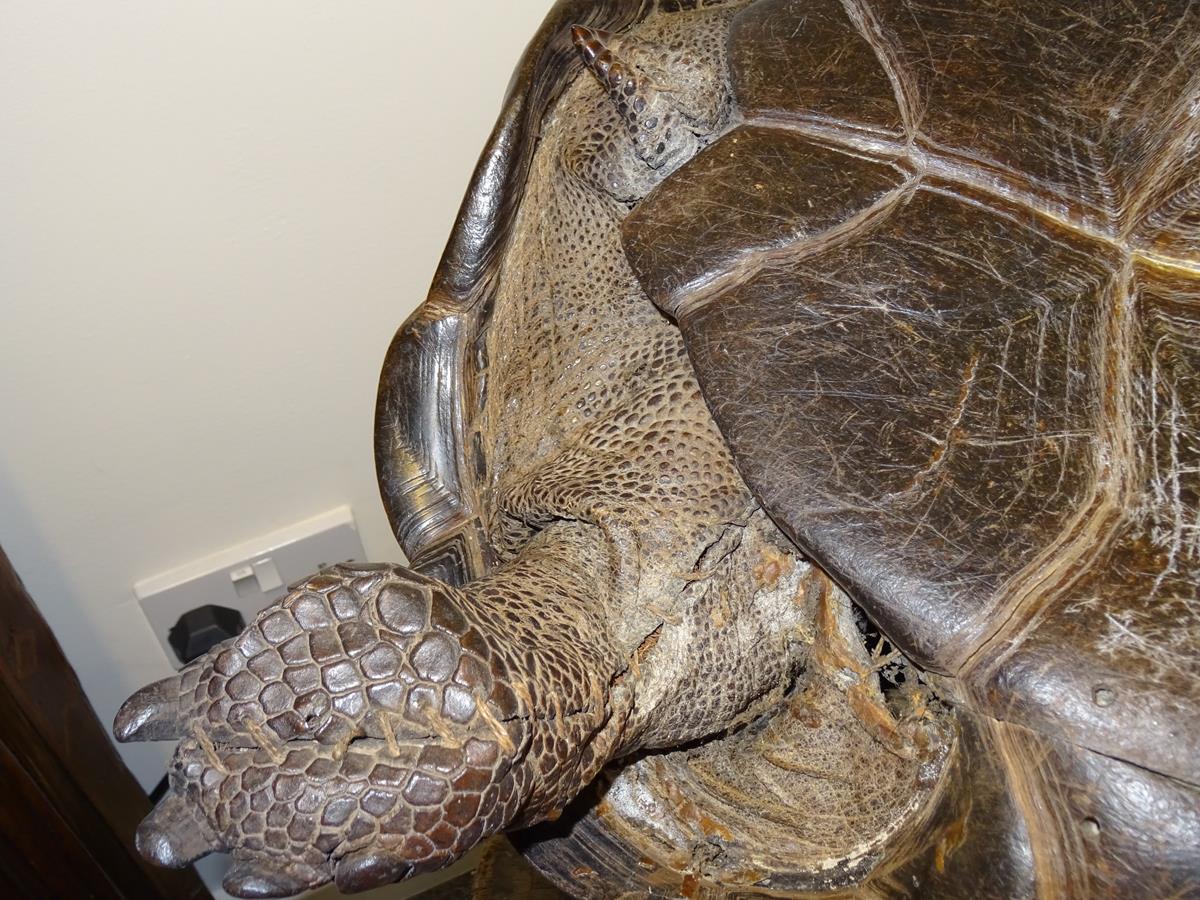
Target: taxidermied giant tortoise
{"x": 798, "y": 458}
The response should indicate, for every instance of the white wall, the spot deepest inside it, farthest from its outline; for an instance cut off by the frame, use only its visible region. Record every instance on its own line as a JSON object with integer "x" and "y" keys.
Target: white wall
{"x": 213, "y": 215}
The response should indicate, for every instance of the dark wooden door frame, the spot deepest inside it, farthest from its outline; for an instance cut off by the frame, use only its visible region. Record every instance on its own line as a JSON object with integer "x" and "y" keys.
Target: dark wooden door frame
{"x": 68, "y": 805}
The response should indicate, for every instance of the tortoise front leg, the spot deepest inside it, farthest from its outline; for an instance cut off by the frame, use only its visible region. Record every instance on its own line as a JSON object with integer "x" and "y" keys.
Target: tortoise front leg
{"x": 375, "y": 723}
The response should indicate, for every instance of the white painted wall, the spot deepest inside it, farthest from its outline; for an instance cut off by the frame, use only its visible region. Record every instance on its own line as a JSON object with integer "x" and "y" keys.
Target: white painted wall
{"x": 213, "y": 215}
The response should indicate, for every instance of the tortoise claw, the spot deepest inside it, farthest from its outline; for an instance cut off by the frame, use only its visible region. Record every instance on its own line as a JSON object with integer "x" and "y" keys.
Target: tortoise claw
{"x": 368, "y": 869}
{"x": 255, "y": 878}
{"x": 590, "y": 42}
{"x": 175, "y": 833}
{"x": 152, "y": 714}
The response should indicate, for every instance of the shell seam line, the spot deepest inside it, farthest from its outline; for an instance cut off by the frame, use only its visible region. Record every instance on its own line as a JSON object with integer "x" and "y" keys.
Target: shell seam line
{"x": 929, "y": 159}
{"x": 703, "y": 292}
{"x": 863, "y": 18}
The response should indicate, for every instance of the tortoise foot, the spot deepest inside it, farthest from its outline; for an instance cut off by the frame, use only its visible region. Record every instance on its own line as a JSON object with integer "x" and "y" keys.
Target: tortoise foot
{"x": 362, "y": 729}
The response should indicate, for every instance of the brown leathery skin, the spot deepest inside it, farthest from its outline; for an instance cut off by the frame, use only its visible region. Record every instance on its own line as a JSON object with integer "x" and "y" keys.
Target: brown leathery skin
{"x": 624, "y": 441}
{"x": 376, "y": 723}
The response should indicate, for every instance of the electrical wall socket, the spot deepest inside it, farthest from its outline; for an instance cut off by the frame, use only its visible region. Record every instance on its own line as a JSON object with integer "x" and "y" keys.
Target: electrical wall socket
{"x": 251, "y": 575}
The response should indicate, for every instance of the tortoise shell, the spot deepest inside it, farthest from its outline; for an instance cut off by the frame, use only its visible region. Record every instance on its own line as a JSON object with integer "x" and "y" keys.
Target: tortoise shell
{"x": 940, "y": 288}
{"x": 940, "y": 283}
